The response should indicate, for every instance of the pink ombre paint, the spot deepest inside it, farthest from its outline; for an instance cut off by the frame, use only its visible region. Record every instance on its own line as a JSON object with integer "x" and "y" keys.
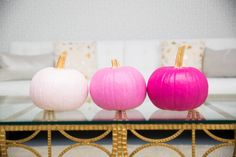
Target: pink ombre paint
{"x": 119, "y": 88}
{"x": 172, "y": 88}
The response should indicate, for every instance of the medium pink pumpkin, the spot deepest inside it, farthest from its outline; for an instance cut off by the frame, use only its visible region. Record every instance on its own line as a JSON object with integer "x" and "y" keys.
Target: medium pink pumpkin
{"x": 177, "y": 88}
{"x": 58, "y": 89}
{"x": 118, "y": 88}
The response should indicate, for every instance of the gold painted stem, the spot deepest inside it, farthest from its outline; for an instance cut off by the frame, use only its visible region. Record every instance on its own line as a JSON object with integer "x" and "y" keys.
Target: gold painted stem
{"x": 114, "y": 63}
{"x": 179, "y": 57}
{"x": 61, "y": 60}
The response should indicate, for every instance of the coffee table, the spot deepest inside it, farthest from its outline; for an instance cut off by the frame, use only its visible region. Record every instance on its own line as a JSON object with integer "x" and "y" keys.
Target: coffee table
{"x": 20, "y": 114}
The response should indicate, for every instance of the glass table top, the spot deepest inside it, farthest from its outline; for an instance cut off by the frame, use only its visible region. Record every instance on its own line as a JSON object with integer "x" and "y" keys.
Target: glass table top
{"x": 21, "y": 110}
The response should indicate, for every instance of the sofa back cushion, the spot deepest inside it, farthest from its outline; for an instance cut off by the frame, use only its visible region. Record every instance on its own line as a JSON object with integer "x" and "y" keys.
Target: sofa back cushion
{"x": 31, "y": 48}
{"x": 193, "y": 54}
{"x": 18, "y": 67}
{"x": 219, "y": 63}
{"x": 145, "y": 55}
{"x": 81, "y": 56}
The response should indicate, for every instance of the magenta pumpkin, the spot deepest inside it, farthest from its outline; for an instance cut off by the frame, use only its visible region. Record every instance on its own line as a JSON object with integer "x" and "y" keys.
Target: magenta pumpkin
{"x": 118, "y": 88}
{"x": 177, "y": 88}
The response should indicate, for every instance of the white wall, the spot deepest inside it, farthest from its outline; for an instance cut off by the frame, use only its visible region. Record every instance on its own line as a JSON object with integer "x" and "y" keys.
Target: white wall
{"x": 44, "y": 20}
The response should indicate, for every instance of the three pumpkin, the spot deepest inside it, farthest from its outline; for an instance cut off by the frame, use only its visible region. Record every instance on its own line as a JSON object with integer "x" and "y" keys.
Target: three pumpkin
{"x": 120, "y": 88}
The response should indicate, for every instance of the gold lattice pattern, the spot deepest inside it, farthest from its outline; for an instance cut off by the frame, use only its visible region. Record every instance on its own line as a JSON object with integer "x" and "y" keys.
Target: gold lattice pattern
{"x": 119, "y": 137}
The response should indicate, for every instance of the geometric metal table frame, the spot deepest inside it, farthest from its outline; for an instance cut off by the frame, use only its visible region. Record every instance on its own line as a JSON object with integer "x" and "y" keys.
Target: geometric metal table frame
{"x": 119, "y": 137}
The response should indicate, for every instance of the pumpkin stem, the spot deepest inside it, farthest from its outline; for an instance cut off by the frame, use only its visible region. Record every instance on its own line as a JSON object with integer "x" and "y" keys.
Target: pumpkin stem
{"x": 179, "y": 57}
{"x": 115, "y": 63}
{"x": 61, "y": 60}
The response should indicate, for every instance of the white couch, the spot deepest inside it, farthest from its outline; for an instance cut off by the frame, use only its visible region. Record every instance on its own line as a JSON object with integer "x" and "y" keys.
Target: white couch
{"x": 142, "y": 54}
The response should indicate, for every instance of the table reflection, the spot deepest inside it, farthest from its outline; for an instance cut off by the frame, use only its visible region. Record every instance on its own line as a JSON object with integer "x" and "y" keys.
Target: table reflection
{"x": 46, "y": 115}
{"x": 131, "y": 115}
{"x": 175, "y": 115}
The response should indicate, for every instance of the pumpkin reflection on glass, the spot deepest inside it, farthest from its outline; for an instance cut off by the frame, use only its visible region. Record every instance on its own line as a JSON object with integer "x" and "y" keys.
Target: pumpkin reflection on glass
{"x": 105, "y": 115}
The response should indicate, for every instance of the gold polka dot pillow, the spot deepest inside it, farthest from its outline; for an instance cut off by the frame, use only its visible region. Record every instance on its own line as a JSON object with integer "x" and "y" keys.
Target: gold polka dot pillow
{"x": 81, "y": 56}
{"x": 193, "y": 55}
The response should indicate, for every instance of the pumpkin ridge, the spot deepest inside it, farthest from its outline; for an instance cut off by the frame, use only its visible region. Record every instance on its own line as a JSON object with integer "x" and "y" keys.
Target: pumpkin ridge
{"x": 161, "y": 86}
{"x": 50, "y": 86}
{"x": 167, "y": 85}
{"x": 133, "y": 83}
{"x": 173, "y": 90}
{"x": 105, "y": 78}
{"x": 114, "y": 98}
{"x": 200, "y": 94}
{"x": 196, "y": 88}
{"x": 157, "y": 74}
{"x": 199, "y": 98}
{"x": 107, "y": 91}
{"x": 189, "y": 80}
{"x": 140, "y": 79}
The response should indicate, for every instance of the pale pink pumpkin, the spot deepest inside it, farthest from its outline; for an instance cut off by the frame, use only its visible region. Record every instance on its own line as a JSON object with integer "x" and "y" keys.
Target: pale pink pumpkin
{"x": 58, "y": 89}
{"x": 177, "y": 88}
{"x": 118, "y": 88}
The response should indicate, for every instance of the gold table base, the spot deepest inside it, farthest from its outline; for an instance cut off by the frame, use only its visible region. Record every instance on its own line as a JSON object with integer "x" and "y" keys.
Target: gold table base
{"x": 119, "y": 137}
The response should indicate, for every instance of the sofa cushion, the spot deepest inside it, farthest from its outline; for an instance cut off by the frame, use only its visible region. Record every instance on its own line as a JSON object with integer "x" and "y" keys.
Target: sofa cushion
{"x": 222, "y": 86}
{"x": 194, "y": 52}
{"x": 219, "y": 63}
{"x": 17, "y": 67}
{"x": 82, "y": 56}
{"x": 14, "y": 88}
{"x": 31, "y": 48}
{"x": 142, "y": 55}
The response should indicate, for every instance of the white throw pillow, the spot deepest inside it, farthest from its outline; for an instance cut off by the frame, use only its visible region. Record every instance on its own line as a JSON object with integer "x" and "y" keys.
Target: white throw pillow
{"x": 81, "y": 56}
{"x": 193, "y": 55}
{"x": 23, "y": 67}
